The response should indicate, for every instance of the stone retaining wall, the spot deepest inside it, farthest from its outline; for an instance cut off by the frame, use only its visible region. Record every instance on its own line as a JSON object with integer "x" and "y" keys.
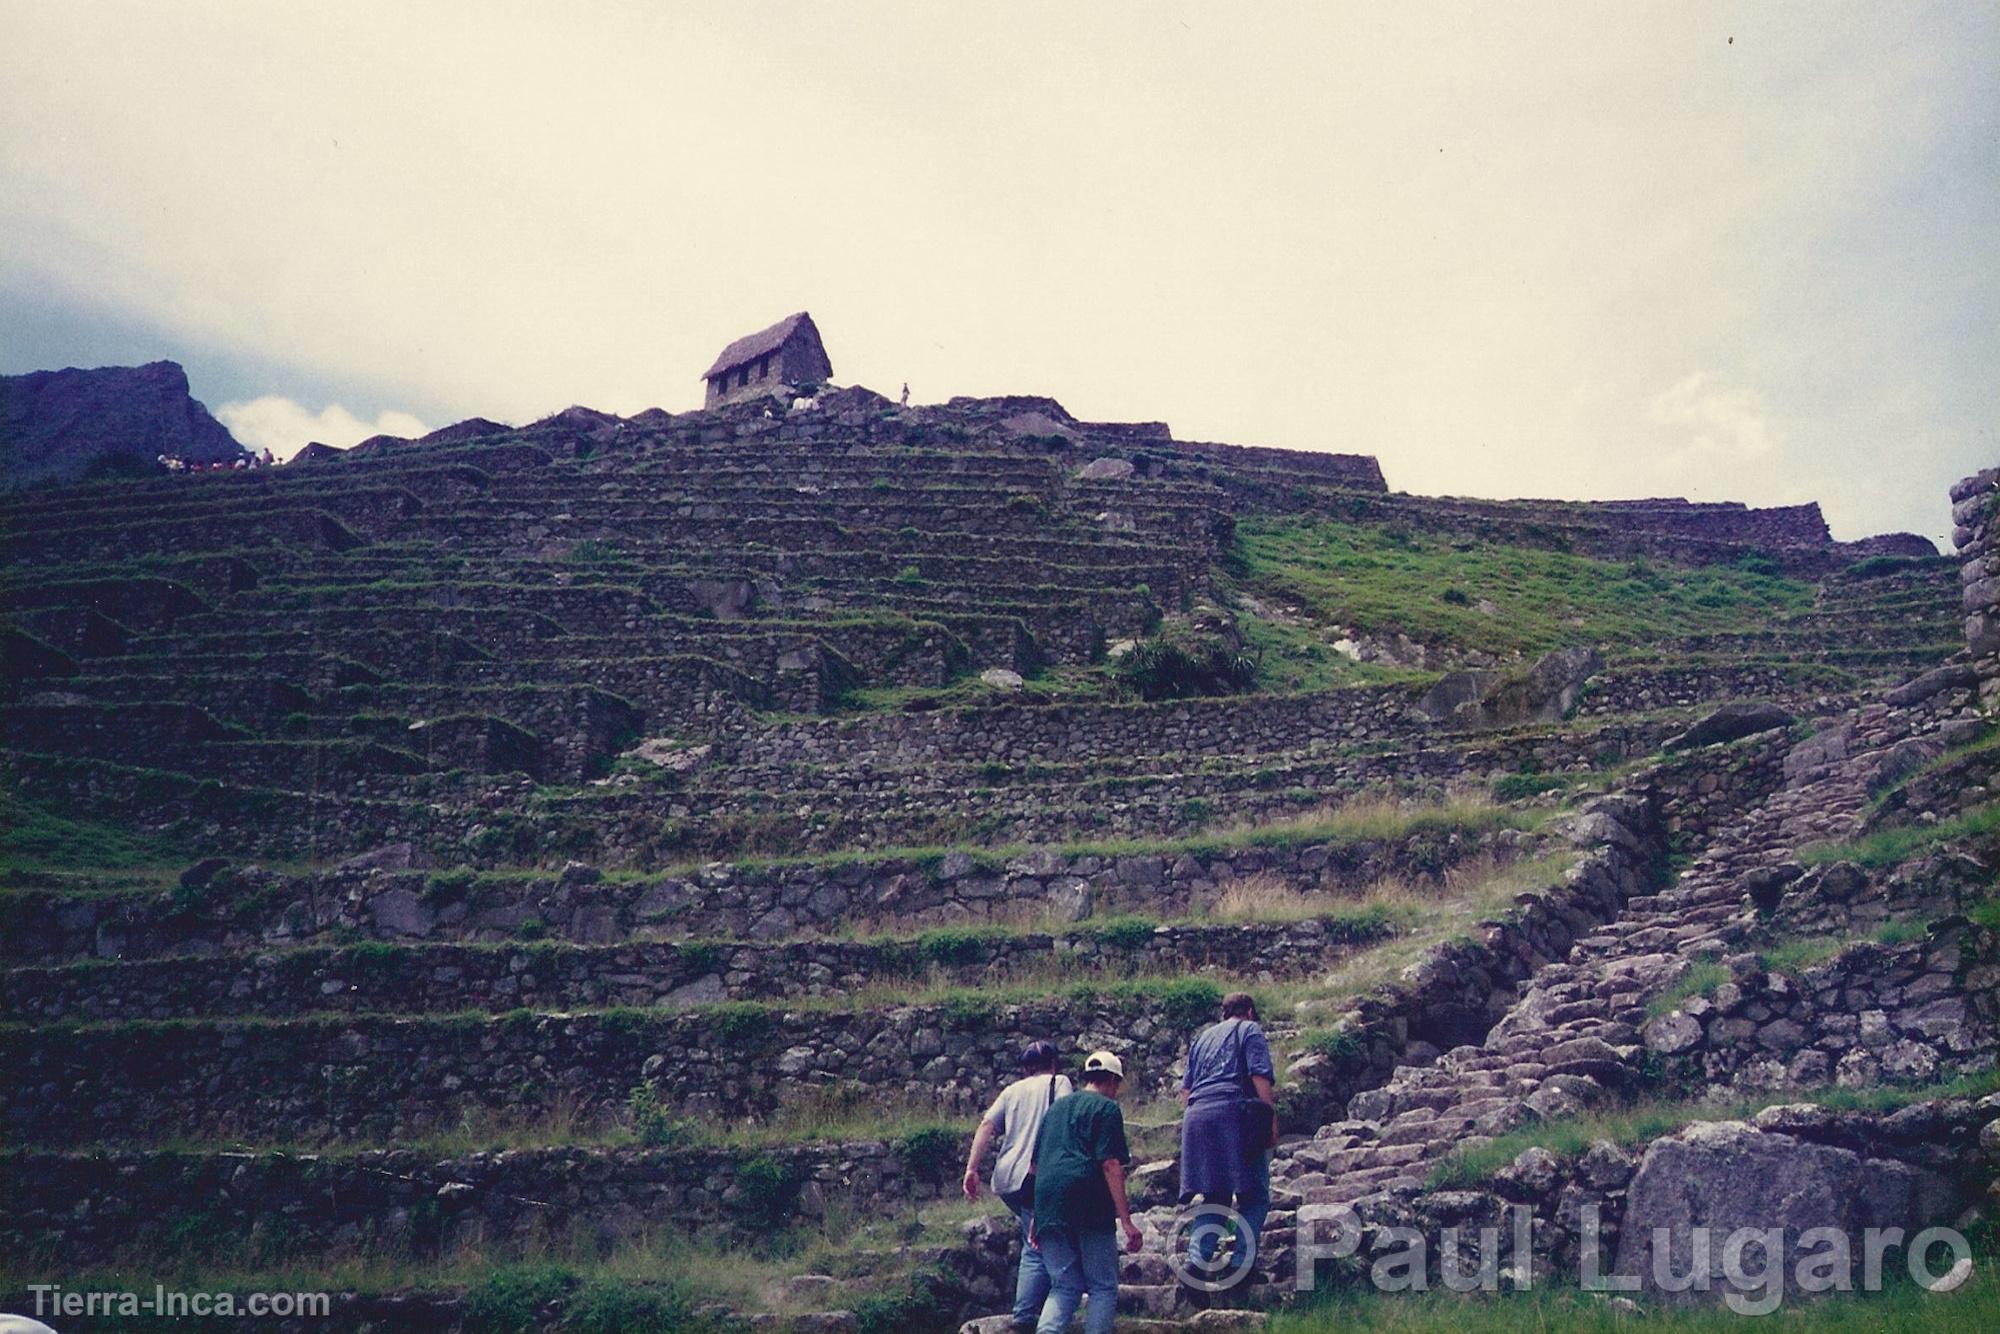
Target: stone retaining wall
{"x": 370, "y": 1079}
{"x": 89, "y": 1208}
{"x": 1458, "y": 991}
{"x": 243, "y": 908}
{"x": 1790, "y": 1166}
{"x": 1914, "y": 1013}
{"x": 1080, "y": 733}
{"x": 1977, "y": 536}
{"x": 433, "y": 979}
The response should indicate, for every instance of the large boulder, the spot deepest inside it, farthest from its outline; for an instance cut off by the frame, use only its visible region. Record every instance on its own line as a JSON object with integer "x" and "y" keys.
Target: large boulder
{"x": 62, "y": 424}
{"x": 1724, "y": 1176}
{"x": 1731, "y": 722}
{"x": 1106, "y": 469}
{"x": 1484, "y": 700}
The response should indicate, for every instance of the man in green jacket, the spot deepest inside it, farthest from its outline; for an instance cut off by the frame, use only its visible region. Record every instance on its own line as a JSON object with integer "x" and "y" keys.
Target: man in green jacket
{"x": 1080, "y": 1159}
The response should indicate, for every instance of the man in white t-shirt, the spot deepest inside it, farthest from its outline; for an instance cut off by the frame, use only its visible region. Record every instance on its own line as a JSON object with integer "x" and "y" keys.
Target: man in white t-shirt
{"x": 1015, "y": 1118}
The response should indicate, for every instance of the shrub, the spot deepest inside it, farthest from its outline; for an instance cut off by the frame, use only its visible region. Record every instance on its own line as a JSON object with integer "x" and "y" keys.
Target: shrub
{"x": 1758, "y": 562}
{"x": 701, "y": 956}
{"x": 653, "y": 1122}
{"x": 592, "y": 550}
{"x": 930, "y": 1151}
{"x": 1986, "y": 913}
{"x": 1457, "y": 597}
{"x": 1514, "y": 787}
{"x": 910, "y": 574}
{"x": 739, "y": 1021}
{"x": 620, "y": 1306}
{"x": 1126, "y": 933}
{"x": 449, "y": 884}
{"x": 969, "y": 1011}
{"x": 1189, "y": 1002}
{"x": 765, "y": 1190}
{"x": 951, "y": 945}
{"x": 510, "y": 1300}
{"x": 918, "y": 1307}
{"x": 1337, "y": 1043}
{"x": 371, "y": 952}
{"x": 1186, "y": 663}
{"x": 1874, "y": 566}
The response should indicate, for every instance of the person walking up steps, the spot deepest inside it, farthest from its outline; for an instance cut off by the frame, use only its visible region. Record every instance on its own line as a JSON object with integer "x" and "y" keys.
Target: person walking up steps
{"x": 1015, "y": 1119}
{"x": 1080, "y": 1159}
{"x": 1228, "y": 1131}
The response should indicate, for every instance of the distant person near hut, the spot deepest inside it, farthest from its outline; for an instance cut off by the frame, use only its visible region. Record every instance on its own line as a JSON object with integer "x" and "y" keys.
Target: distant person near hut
{"x": 1226, "y": 1135}
{"x": 1015, "y": 1120}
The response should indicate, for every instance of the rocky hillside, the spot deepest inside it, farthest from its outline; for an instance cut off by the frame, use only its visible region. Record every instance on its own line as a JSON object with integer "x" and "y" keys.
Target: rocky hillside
{"x": 115, "y": 420}
{"x": 603, "y": 866}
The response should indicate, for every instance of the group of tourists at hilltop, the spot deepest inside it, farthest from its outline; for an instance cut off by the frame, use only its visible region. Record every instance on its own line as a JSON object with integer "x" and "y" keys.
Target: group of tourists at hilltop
{"x": 263, "y": 458}
{"x": 1062, "y": 1158}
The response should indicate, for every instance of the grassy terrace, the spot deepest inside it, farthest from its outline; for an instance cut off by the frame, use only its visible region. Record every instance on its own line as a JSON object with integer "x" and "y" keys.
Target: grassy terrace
{"x": 1892, "y": 847}
{"x": 35, "y": 838}
{"x": 652, "y": 1284}
{"x": 1788, "y": 957}
{"x": 1383, "y": 580}
{"x": 1560, "y": 1308}
{"x": 1182, "y": 1001}
{"x": 1641, "y": 1121}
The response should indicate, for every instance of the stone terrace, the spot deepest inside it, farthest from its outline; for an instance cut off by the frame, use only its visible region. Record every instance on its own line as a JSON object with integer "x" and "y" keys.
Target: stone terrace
{"x": 384, "y": 713}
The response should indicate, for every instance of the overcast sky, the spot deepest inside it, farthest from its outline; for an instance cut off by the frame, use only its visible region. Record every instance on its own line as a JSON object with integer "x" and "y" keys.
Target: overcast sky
{"x": 1579, "y": 250}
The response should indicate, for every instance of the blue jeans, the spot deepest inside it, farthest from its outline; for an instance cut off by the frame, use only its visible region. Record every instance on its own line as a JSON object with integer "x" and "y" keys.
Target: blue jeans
{"x": 1253, "y": 1204}
{"x": 1031, "y": 1285}
{"x": 1080, "y": 1262}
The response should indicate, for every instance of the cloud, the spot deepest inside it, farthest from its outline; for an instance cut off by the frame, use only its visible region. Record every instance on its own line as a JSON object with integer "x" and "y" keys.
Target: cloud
{"x": 1410, "y": 233}
{"x": 1715, "y": 423}
{"x": 278, "y": 424}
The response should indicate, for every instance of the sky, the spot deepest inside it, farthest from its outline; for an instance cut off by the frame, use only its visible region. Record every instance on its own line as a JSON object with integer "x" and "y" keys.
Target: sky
{"x": 1733, "y": 252}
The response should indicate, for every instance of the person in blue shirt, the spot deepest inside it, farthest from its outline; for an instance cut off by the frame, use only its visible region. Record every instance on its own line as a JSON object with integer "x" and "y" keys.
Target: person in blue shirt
{"x": 1229, "y": 1092}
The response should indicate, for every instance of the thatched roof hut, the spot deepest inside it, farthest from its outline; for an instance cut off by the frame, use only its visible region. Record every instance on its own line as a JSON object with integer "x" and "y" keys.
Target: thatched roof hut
{"x": 769, "y": 362}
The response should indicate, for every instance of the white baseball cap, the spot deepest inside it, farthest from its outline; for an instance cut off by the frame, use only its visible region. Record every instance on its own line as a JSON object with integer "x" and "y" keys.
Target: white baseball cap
{"x": 1105, "y": 1061}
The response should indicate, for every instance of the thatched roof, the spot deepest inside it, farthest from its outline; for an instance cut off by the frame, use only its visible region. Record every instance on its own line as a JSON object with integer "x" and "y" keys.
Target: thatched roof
{"x": 752, "y": 346}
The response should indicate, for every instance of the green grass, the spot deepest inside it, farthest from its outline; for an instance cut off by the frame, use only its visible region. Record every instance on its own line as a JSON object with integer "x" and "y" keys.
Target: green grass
{"x": 1892, "y": 847}
{"x": 34, "y": 838}
{"x": 1700, "y": 980}
{"x": 1518, "y": 787}
{"x": 1639, "y": 1122}
{"x": 1986, "y": 912}
{"x": 1956, "y": 755}
{"x": 1293, "y": 658}
{"x": 1792, "y": 957}
{"x": 650, "y": 1284}
{"x": 1379, "y": 580}
{"x": 1557, "y": 1307}
{"x": 1052, "y": 685}
{"x": 1336, "y": 824}
{"x": 1788, "y": 957}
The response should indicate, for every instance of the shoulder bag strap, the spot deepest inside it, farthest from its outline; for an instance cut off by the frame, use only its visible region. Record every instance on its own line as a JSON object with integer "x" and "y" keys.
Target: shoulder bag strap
{"x": 1243, "y": 1061}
